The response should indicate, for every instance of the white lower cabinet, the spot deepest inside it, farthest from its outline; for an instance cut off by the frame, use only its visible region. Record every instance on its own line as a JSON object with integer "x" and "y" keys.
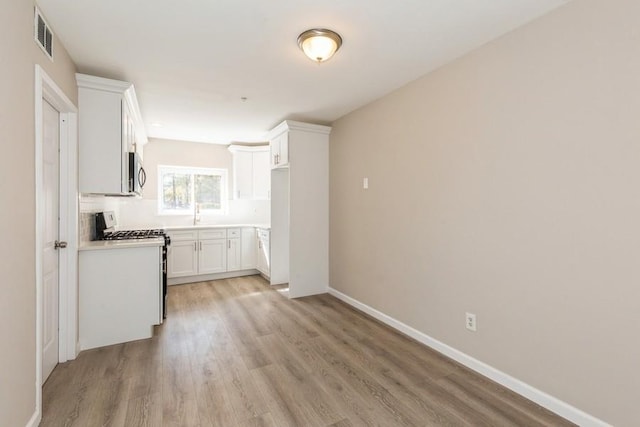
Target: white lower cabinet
{"x": 210, "y": 251}
{"x": 212, "y": 256}
{"x": 183, "y": 258}
{"x": 233, "y": 255}
{"x": 234, "y": 249}
{"x": 248, "y": 248}
{"x": 120, "y": 294}
{"x": 263, "y": 262}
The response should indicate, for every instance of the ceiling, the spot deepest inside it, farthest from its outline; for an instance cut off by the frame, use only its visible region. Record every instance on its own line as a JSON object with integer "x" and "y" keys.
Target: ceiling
{"x": 192, "y": 61}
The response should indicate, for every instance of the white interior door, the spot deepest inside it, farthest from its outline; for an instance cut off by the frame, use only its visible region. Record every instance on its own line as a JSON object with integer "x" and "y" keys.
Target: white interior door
{"x": 50, "y": 175}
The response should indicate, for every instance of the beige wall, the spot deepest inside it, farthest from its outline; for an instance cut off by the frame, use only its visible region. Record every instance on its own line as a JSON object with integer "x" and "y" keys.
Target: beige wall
{"x": 507, "y": 184}
{"x": 18, "y": 57}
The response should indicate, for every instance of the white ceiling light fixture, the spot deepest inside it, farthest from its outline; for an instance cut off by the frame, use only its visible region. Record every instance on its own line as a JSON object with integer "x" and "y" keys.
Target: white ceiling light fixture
{"x": 319, "y": 44}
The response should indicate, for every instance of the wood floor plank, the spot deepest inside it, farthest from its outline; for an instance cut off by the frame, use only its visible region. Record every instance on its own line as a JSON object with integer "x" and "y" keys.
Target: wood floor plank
{"x": 244, "y": 330}
{"x": 492, "y": 399}
{"x": 109, "y": 406}
{"x": 285, "y": 408}
{"x": 214, "y": 406}
{"x": 301, "y": 384}
{"x": 244, "y": 395}
{"x": 264, "y": 420}
{"x": 414, "y": 388}
{"x": 144, "y": 411}
{"x": 237, "y": 352}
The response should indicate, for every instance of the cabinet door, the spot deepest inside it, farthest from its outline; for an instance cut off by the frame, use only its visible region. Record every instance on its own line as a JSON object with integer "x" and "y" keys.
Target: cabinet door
{"x": 263, "y": 254}
{"x": 182, "y": 259}
{"x": 261, "y": 175}
{"x": 248, "y": 248}
{"x": 243, "y": 175}
{"x": 126, "y": 127}
{"x": 280, "y": 151}
{"x": 100, "y": 153}
{"x": 283, "y": 159}
{"x": 212, "y": 256}
{"x": 274, "y": 148}
{"x": 234, "y": 255}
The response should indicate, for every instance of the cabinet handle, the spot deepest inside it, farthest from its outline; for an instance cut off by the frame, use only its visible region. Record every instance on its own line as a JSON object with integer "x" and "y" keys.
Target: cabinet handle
{"x": 259, "y": 244}
{"x": 200, "y": 245}
{"x": 195, "y": 246}
{"x": 229, "y": 244}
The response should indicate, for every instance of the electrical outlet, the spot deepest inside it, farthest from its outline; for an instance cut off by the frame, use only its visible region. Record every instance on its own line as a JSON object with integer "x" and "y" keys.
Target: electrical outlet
{"x": 365, "y": 183}
{"x": 470, "y": 322}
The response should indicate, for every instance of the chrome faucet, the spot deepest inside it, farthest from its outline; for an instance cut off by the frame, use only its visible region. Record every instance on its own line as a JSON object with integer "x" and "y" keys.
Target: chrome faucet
{"x": 196, "y": 213}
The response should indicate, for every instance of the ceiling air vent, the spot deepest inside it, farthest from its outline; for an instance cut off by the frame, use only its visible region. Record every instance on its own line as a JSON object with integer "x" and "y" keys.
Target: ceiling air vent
{"x": 44, "y": 36}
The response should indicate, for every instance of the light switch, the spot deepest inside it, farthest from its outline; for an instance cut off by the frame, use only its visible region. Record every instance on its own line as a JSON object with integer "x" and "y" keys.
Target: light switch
{"x": 365, "y": 183}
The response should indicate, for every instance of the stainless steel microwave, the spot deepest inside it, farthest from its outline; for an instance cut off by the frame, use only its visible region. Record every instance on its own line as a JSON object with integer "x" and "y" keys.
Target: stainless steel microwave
{"x": 137, "y": 175}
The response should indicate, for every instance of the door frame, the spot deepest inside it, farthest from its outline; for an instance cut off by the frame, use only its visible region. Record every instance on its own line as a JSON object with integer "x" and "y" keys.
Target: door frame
{"x": 46, "y": 88}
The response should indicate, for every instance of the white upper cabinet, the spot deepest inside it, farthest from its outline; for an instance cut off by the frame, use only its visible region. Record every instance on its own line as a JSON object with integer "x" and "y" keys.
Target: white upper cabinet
{"x": 261, "y": 175}
{"x": 251, "y": 172}
{"x": 279, "y": 144}
{"x": 110, "y": 127}
{"x": 242, "y": 175}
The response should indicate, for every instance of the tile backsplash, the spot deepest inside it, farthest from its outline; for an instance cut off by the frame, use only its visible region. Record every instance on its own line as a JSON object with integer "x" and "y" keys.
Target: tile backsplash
{"x": 135, "y": 213}
{"x": 89, "y": 205}
{"x": 87, "y": 226}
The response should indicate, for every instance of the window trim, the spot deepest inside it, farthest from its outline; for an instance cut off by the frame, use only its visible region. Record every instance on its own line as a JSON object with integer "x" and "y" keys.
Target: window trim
{"x": 223, "y": 173}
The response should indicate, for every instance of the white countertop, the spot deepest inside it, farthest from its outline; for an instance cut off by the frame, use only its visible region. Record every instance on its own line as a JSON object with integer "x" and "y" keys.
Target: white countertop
{"x": 213, "y": 226}
{"x": 96, "y": 245}
{"x": 137, "y": 243}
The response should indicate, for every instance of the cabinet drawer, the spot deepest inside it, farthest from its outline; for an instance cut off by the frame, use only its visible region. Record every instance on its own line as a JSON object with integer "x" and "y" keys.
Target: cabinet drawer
{"x": 183, "y": 235}
{"x": 233, "y": 233}
{"x": 218, "y": 233}
{"x": 263, "y": 234}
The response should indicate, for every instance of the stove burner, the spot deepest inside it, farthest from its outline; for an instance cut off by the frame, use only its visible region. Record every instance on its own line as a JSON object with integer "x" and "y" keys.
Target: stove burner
{"x": 133, "y": 234}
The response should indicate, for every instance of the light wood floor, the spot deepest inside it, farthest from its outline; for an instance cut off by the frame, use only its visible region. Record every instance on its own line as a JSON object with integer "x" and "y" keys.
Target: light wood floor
{"x": 237, "y": 353}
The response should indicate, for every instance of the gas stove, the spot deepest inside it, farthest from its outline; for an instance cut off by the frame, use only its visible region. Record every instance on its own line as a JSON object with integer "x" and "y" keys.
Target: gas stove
{"x": 133, "y": 234}
{"x": 105, "y": 223}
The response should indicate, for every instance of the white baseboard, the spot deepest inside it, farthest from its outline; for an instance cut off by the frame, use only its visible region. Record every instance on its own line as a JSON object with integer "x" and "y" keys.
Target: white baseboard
{"x": 543, "y": 399}
{"x": 35, "y": 419}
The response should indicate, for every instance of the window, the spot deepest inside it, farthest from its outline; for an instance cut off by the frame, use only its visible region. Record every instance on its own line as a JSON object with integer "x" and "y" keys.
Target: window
{"x": 181, "y": 190}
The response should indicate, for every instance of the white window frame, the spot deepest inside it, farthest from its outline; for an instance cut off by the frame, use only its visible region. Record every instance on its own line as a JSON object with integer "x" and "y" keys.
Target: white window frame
{"x": 162, "y": 169}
